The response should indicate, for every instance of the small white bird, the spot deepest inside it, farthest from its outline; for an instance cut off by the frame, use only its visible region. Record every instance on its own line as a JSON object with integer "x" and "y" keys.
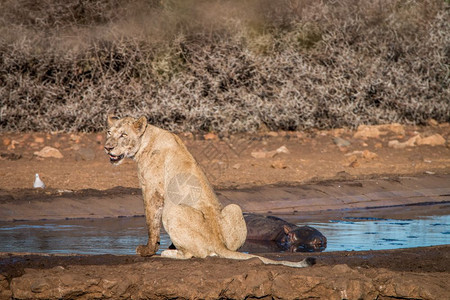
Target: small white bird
{"x": 38, "y": 183}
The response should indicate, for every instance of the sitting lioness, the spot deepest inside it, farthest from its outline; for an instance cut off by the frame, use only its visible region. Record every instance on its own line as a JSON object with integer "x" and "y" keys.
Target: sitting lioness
{"x": 177, "y": 193}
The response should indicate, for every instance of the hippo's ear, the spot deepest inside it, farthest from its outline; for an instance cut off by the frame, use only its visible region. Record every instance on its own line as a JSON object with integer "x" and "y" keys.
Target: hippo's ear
{"x": 286, "y": 229}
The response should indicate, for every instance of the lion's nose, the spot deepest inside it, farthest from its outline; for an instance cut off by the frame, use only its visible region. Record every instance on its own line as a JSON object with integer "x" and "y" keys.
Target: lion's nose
{"x": 108, "y": 149}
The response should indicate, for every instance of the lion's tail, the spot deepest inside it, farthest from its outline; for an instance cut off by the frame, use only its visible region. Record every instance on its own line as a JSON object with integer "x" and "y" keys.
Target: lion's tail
{"x": 225, "y": 253}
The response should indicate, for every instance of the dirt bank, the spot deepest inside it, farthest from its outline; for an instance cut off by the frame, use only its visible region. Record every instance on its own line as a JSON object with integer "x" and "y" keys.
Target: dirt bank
{"x": 421, "y": 273}
{"x": 419, "y": 195}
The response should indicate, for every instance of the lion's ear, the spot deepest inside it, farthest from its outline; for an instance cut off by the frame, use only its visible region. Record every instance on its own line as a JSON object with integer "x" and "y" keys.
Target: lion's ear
{"x": 140, "y": 125}
{"x": 112, "y": 119}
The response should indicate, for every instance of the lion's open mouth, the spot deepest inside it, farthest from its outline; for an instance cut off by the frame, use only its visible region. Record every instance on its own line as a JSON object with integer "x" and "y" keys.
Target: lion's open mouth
{"x": 114, "y": 159}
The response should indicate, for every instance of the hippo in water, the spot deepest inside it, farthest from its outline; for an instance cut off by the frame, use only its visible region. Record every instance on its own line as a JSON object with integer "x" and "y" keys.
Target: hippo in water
{"x": 286, "y": 236}
{"x": 267, "y": 234}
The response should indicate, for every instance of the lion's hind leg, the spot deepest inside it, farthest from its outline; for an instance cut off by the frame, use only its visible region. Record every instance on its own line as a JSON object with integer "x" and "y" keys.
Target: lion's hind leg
{"x": 189, "y": 232}
{"x": 233, "y": 228}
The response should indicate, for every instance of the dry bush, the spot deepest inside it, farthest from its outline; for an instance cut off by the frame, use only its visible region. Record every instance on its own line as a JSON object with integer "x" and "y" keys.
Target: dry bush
{"x": 225, "y": 66}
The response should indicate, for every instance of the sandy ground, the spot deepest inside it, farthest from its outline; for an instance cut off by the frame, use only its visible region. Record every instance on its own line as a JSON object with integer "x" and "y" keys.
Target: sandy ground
{"x": 230, "y": 161}
{"x": 314, "y": 161}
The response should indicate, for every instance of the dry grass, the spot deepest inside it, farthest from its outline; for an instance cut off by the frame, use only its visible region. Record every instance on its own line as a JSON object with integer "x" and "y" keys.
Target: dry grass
{"x": 223, "y": 66}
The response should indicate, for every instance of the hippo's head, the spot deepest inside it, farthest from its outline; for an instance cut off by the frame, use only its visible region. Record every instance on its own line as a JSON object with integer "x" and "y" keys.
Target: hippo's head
{"x": 303, "y": 239}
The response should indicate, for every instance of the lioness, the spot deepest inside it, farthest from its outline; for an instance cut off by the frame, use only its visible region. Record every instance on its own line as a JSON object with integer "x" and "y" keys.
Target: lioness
{"x": 177, "y": 193}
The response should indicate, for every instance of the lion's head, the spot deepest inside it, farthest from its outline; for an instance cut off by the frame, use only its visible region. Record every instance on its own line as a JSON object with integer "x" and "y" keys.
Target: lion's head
{"x": 123, "y": 137}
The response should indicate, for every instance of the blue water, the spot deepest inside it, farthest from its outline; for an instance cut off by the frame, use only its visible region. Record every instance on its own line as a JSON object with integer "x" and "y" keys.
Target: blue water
{"x": 94, "y": 236}
{"x": 122, "y": 235}
{"x": 378, "y": 234}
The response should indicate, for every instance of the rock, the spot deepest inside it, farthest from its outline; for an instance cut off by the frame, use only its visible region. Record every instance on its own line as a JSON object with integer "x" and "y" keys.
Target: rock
{"x": 39, "y": 285}
{"x": 369, "y": 155}
{"x": 278, "y": 164}
{"x": 432, "y": 122}
{"x": 272, "y": 133}
{"x": 374, "y": 131}
{"x": 394, "y": 128}
{"x": 270, "y": 154}
{"x": 283, "y": 149}
{"x": 210, "y": 136}
{"x": 236, "y": 166}
{"x": 75, "y": 138}
{"x": 6, "y": 141}
{"x": 33, "y": 145}
{"x": 67, "y": 279}
{"x": 39, "y": 140}
{"x": 409, "y": 143}
{"x": 337, "y": 132}
{"x": 396, "y": 144}
{"x": 187, "y": 135}
{"x": 433, "y": 140}
{"x": 5, "y": 292}
{"x": 365, "y": 132}
{"x": 412, "y": 141}
{"x": 354, "y": 164}
{"x": 259, "y": 154}
{"x": 340, "y": 142}
{"x": 49, "y": 152}
{"x": 203, "y": 279}
{"x": 351, "y": 157}
{"x": 363, "y": 154}
{"x": 342, "y": 268}
{"x": 12, "y": 145}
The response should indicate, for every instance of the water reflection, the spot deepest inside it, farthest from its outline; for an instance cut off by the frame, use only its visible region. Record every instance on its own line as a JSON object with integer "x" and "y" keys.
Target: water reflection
{"x": 112, "y": 236}
{"x": 376, "y": 234}
{"x": 121, "y": 236}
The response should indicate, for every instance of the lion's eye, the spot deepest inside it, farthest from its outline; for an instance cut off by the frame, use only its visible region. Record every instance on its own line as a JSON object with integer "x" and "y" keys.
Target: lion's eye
{"x": 108, "y": 133}
{"x": 123, "y": 134}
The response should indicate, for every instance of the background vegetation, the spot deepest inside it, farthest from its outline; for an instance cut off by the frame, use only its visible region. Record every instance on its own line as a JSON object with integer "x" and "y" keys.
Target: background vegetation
{"x": 223, "y": 65}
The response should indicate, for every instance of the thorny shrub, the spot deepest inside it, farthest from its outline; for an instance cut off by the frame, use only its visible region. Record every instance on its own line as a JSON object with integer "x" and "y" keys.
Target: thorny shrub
{"x": 224, "y": 66}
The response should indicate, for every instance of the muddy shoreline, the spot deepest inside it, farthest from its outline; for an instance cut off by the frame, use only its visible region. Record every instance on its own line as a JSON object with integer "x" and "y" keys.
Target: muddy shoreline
{"x": 418, "y": 273}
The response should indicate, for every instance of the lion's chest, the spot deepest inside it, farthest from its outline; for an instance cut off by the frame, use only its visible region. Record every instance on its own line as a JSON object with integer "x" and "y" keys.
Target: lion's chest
{"x": 151, "y": 169}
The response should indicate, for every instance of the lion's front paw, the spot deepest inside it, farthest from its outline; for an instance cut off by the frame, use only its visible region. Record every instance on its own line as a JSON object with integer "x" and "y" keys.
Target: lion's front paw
{"x": 145, "y": 250}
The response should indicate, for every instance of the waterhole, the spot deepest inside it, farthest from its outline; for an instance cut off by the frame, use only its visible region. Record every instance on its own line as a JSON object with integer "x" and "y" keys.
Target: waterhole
{"x": 122, "y": 235}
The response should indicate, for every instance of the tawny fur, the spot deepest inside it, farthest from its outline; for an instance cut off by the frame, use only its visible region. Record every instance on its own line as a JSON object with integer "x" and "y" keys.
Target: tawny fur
{"x": 178, "y": 195}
